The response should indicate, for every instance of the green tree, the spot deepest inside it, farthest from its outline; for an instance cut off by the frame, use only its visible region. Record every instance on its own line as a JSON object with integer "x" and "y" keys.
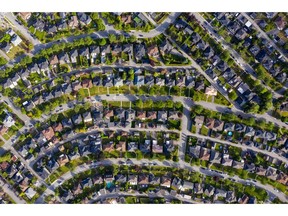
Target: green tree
{"x": 198, "y": 109}
{"x": 112, "y": 38}
{"x": 139, "y": 103}
{"x": 132, "y": 39}
{"x": 232, "y": 95}
{"x": 102, "y": 41}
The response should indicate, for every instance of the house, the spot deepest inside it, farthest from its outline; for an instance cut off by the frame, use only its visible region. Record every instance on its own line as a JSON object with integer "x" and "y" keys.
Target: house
{"x": 215, "y": 157}
{"x": 165, "y": 47}
{"x": 73, "y": 22}
{"x": 39, "y": 25}
{"x": 146, "y": 146}
{"x": 229, "y": 126}
{"x": 63, "y": 58}
{"x": 198, "y": 188}
{"x": 143, "y": 180}
{"x": 199, "y": 85}
{"x": 30, "y": 193}
{"x": 33, "y": 68}
{"x": 209, "y": 191}
{"x": 54, "y": 61}
{"x": 62, "y": 25}
{"x": 132, "y": 179}
{"x": 280, "y": 23}
{"x": 205, "y": 154}
{"x": 162, "y": 116}
{"x": 156, "y": 148}
{"x": 77, "y": 119}
{"x": 120, "y": 113}
{"x": 86, "y": 183}
{"x": 126, "y": 18}
{"x": 259, "y": 133}
{"x": 240, "y": 127}
{"x": 199, "y": 121}
{"x": 209, "y": 123}
{"x": 118, "y": 82}
{"x": 87, "y": 117}
{"x": 132, "y": 146}
{"x": 249, "y": 167}
{"x": 176, "y": 183}
{"x": 244, "y": 199}
{"x": 180, "y": 81}
{"x": 173, "y": 115}
{"x": 108, "y": 147}
{"x": 165, "y": 181}
{"x": 25, "y": 15}
{"x": 76, "y": 85}
{"x": 169, "y": 81}
{"x": 149, "y": 80}
{"x": 159, "y": 81}
{"x": 208, "y": 52}
{"x": 84, "y": 52}
{"x": 119, "y": 178}
{"x": 260, "y": 171}
{"x": 154, "y": 180}
{"x": 63, "y": 159}
{"x": 97, "y": 179}
{"x": 238, "y": 165}
{"x": 282, "y": 178}
{"x": 52, "y": 165}
{"x": 195, "y": 151}
{"x": 73, "y": 56}
{"x": 250, "y": 131}
{"x": 121, "y": 146}
{"x": 139, "y": 51}
{"x": 67, "y": 196}
{"x": 230, "y": 197}
{"x": 139, "y": 80}
{"x": 107, "y": 114}
{"x": 108, "y": 81}
{"x": 84, "y": 18}
{"x": 151, "y": 115}
{"x": 51, "y": 29}
{"x": 270, "y": 136}
{"x": 48, "y": 133}
{"x": 130, "y": 115}
{"x": 271, "y": 173}
{"x": 153, "y": 51}
{"x": 16, "y": 40}
{"x": 211, "y": 91}
{"x": 226, "y": 161}
{"x": 6, "y": 47}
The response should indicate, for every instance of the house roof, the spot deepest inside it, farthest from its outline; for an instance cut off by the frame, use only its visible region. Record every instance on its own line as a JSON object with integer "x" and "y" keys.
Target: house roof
{"x": 48, "y": 133}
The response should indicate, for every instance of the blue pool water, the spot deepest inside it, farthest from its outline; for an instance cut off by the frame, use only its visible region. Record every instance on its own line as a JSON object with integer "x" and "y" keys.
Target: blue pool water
{"x": 230, "y": 133}
{"x": 109, "y": 184}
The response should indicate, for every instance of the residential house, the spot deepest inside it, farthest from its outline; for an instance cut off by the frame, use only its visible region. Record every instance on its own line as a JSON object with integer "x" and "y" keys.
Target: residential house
{"x": 156, "y": 148}
{"x": 63, "y": 58}
{"x": 153, "y": 51}
{"x": 229, "y": 126}
{"x": 165, "y": 47}
{"x": 25, "y": 15}
{"x": 73, "y": 22}
{"x": 162, "y": 116}
{"x": 280, "y": 23}
{"x": 84, "y": 18}
{"x": 238, "y": 165}
{"x": 199, "y": 120}
{"x": 87, "y": 117}
{"x": 132, "y": 179}
{"x": 119, "y": 178}
{"x": 48, "y": 133}
{"x": 121, "y": 146}
{"x": 195, "y": 151}
{"x": 216, "y": 157}
{"x": 132, "y": 146}
{"x": 271, "y": 173}
{"x": 230, "y": 197}
{"x": 73, "y": 56}
{"x": 198, "y": 188}
{"x": 205, "y": 154}
{"x": 84, "y": 52}
{"x": 209, "y": 191}
{"x": 165, "y": 181}
{"x": 77, "y": 119}
{"x": 139, "y": 52}
{"x": 282, "y": 178}
{"x": 86, "y": 183}
{"x": 63, "y": 159}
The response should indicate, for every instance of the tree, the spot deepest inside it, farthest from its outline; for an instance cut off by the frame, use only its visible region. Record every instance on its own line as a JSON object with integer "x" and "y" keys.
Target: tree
{"x": 232, "y": 95}
{"x": 132, "y": 39}
{"x": 139, "y": 103}
{"x": 112, "y": 38}
{"x": 121, "y": 38}
{"x": 54, "y": 117}
{"x": 102, "y": 41}
{"x": 198, "y": 109}
{"x": 3, "y": 61}
{"x": 169, "y": 104}
{"x": 124, "y": 75}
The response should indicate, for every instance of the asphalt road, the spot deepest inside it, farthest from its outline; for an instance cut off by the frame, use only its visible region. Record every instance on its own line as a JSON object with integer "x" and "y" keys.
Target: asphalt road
{"x": 7, "y": 189}
{"x": 239, "y": 60}
{"x": 264, "y": 35}
{"x": 206, "y": 172}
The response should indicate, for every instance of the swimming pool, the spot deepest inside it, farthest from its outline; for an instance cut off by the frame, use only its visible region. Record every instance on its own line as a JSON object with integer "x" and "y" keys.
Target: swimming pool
{"x": 230, "y": 133}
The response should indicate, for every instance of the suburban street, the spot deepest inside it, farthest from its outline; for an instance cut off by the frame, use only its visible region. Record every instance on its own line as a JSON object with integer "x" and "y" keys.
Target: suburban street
{"x": 7, "y": 189}
{"x": 181, "y": 164}
{"x": 264, "y": 35}
{"x": 239, "y": 60}
{"x": 12, "y": 20}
